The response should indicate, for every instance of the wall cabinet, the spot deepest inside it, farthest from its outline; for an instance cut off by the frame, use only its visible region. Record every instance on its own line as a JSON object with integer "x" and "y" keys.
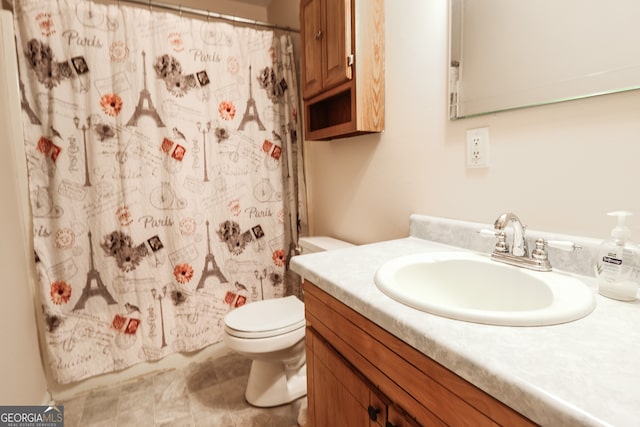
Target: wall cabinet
{"x": 342, "y": 67}
{"x": 354, "y": 367}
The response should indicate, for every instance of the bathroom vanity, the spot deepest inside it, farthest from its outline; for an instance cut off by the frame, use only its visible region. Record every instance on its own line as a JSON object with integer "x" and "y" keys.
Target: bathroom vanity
{"x": 357, "y": 371}
{"x": 383, "y": 363}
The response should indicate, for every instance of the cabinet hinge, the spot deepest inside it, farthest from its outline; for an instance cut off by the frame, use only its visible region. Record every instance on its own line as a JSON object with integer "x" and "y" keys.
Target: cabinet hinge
{"x": 350, "y": 60}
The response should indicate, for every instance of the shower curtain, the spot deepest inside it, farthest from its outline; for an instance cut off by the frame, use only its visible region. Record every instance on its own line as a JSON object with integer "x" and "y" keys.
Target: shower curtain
{"x": 165, "y": 177}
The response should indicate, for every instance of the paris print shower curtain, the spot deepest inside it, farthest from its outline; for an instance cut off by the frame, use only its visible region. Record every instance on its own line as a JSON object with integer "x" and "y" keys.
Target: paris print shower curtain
{"x": 163, "y": 158}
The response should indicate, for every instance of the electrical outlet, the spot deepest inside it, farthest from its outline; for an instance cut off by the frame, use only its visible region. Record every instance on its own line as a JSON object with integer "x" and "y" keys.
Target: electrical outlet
{"x": 478, "y": 148}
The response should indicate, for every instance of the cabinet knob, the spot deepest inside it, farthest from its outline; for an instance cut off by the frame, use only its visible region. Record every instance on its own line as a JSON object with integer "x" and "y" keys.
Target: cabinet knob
{"x": 318, "y": 35}
{"x": 373, "y": 413}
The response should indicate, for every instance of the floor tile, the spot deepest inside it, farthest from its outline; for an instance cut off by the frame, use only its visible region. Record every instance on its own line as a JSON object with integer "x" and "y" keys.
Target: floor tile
{"x": 203, "y": 394}
{"x": 138, "y": 417}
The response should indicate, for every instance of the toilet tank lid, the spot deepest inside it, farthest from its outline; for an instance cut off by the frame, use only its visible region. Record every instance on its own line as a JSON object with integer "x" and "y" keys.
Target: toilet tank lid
{"x": 321, "y": 243}
{"x": 266, "y": 315}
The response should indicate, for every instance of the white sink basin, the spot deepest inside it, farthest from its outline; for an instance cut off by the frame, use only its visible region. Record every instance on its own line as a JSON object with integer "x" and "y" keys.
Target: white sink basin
{"x": 471, "y": 287}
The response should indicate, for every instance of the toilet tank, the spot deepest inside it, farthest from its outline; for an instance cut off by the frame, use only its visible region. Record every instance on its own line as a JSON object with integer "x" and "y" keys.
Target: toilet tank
{"x": 313, "y": 244}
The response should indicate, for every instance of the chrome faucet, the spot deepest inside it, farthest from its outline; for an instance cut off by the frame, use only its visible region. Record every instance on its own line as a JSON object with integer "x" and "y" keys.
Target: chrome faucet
{"x": 518, "y": 255}
{"x": 519, "y": 246}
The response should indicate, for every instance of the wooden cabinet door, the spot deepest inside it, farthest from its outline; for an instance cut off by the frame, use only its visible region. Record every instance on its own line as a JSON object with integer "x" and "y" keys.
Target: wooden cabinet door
{"x": 377, "y": 409}
{"x": 311, "y": 44}
{"x": 337, "y": 42}
{"x": 326, "y": 41}
{"x": 340, "y": 395}
{"x": 398, "y": 418}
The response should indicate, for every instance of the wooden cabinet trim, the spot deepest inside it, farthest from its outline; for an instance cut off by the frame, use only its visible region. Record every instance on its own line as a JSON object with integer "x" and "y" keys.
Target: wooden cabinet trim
{"x": 369, "y": 64}
{"x": 310, "y": 350}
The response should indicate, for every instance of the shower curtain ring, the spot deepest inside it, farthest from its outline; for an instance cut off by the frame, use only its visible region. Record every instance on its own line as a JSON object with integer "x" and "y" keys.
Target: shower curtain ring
{"x": 150, "y": 8}
{"x": 180, "y": 10}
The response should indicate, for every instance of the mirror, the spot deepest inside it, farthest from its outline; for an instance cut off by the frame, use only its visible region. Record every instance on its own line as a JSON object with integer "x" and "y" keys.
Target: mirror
{"x": 509, "y": 54}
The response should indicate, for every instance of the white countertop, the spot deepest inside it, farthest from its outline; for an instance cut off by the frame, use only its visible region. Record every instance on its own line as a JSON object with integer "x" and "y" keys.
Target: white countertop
{"x": 582, "y": 373}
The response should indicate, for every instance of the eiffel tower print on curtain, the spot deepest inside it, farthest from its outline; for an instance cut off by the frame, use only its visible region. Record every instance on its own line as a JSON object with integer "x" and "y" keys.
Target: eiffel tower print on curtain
{"x": 93, "y": 276}
{"x": 210, "y": 266}
{"x": 251, "y": 112}
{"x": 145, "y": 95}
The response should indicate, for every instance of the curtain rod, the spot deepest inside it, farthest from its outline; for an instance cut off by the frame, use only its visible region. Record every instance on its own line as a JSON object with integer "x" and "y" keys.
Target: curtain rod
{"x": 207, "y": 14}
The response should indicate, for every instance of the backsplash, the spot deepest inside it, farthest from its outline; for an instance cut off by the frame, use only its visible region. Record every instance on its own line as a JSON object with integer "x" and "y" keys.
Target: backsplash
{"x": 464, "y": 234}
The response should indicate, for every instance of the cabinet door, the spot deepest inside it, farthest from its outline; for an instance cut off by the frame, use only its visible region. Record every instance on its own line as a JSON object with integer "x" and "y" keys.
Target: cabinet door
{"x": 377, "y": 409}
{"x": 311, "y": 43}
{"x": 337, "y": 42}
{"x": 398, "y": 418}
{"x": 340, "y": 396}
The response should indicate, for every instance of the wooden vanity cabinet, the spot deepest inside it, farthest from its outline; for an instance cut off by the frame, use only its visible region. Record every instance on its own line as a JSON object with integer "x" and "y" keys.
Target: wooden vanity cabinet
{"x": 354, "y": 367}
{"x": 342, "y": 60}
{"x": 342, "y": 396}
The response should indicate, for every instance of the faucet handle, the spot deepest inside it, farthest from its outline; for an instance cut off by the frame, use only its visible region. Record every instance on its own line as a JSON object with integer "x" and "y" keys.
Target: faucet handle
{"x": 488, "y": 233}
{"x": 540, "y": 253}
{"x": 564, "y": 245}
{"x": 501, "y": 244}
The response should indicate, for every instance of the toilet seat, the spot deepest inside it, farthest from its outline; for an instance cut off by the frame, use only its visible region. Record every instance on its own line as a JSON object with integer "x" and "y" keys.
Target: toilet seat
{"x": 268, "y": 318}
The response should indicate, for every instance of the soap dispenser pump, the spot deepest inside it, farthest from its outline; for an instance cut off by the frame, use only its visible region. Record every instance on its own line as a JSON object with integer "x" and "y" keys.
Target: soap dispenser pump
{"x": 618, "y": 262}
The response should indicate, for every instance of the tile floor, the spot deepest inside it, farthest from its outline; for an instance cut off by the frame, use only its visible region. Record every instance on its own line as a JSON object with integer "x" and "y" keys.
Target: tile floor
{"x": 207, "y": 393}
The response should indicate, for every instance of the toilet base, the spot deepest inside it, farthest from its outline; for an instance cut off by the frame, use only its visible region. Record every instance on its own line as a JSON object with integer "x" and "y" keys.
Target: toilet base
{"x": 271, "y": 384}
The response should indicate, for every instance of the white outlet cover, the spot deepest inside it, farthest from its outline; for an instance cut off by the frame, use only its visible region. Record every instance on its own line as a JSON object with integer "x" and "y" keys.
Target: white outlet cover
{"x": 478, "y": 148}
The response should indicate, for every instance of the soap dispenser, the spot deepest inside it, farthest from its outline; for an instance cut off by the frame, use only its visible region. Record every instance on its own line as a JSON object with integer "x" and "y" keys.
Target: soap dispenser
{"x": 618, "y": 263}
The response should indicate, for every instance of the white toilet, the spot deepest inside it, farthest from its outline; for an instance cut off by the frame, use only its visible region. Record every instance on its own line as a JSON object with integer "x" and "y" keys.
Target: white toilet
{"x": 271, "y": 333}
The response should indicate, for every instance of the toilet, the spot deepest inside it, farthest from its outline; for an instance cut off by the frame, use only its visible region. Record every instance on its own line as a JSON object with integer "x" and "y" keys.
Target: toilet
{"x": 271, "y": 333}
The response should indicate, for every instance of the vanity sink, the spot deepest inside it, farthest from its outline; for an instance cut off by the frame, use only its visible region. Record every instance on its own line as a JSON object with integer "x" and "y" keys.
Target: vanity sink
{"x": 472, "y": 287}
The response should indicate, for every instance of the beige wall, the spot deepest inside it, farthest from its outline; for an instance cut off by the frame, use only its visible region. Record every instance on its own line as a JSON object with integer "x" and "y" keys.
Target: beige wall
{"x": 559, "y": 167}
{"x": 286, "y": 13}
{"x": 21, "y": 372}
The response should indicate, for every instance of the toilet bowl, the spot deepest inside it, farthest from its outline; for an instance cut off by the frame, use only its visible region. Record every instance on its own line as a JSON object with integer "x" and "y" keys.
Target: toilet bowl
{"x": 271, "y": 333}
